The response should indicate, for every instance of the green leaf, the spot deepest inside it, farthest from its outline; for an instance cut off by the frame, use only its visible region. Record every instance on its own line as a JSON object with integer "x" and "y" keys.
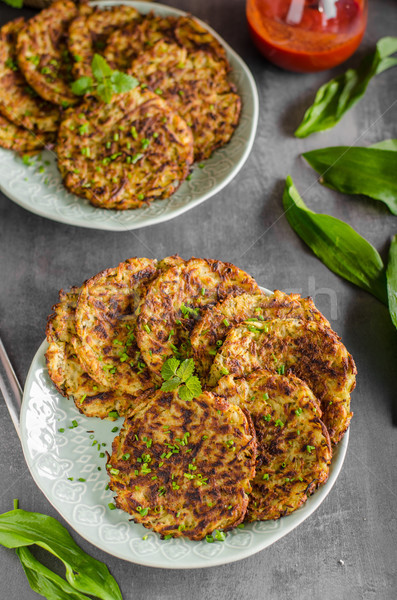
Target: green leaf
{"x": 44, "y": 581}
{"x": 336, "y": 97}
{"x": 170, "y": 384}
{"x": 186, "y": 369}
{"x": 84, "y": 573}
{"x": 336, "y": 244}
{"x": 386, "y": 145}
{"x": 105, "y": 91}
{"x": 194, "y": 386}
{"x": 185, "y": 394}
{"x": 122, "y": 82}
{"x": 356, "y": 170}
{"x": 391, "y": 274}
{"x": 100, "y": 68}
{"x": 170, "y": 368}
{"x": 82, "y": 86}
{"x": 14, "y": 3}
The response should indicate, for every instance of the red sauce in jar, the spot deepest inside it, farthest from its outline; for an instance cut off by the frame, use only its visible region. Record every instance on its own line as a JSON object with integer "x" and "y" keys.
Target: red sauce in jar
{"x": 307, "y": 35}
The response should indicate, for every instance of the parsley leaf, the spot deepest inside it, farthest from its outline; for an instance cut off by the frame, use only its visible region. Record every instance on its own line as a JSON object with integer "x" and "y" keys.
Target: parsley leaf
{"x": 170, "y": 368}
{"x": 106, "y": 83}
{"x": 186, "y": 369}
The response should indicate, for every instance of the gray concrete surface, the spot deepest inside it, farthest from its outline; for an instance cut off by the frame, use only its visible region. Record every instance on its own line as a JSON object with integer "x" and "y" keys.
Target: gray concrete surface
{"x": 244, "y": 224}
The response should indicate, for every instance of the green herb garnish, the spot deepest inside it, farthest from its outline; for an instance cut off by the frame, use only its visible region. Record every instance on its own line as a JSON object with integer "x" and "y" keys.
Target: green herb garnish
{"x": 105, "y": 82}
{"x": 180, "y": 376}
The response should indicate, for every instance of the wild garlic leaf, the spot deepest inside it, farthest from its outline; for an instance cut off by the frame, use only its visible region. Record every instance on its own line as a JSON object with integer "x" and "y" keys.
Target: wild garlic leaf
{"x": 391, "y": 274}
{"x": 14, "y": 3}
{"x": 83, "y": 572}
{"x": 336, "y": 97}
{"x": 336, "y": 244}
{"x": 170, "y": 368}
{"x": 171, "y": 384}
{"x": 386, "y": 145}
{"x": 186, "y": 369}
{"x": 43, "y": 581}
{"x": 82, "y": 86}
{"x": 356, "y": 170}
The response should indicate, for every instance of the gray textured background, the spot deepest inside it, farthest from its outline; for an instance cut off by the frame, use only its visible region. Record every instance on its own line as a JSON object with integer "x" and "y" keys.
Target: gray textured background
{"x": 244, "y": 224}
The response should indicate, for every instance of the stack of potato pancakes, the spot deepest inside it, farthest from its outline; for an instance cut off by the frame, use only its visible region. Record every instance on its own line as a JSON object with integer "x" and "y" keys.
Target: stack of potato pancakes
{"x": 139, "y": 146}
{"x": 254, "y": 441}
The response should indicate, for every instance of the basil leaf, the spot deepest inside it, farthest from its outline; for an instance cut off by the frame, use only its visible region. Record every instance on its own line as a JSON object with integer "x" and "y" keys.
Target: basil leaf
{"x": 336, "y": 97}
{"x": 44, "y": 581}
{"x": 100, "y": 68}
{"x": 356, "y": 170}
{"x": 336, "y": 244}
{"x": 84, "y": 573}
{"x": 391, "y": 274}
{"x": 122, "y": 82}
{"x": 82, "y": 86}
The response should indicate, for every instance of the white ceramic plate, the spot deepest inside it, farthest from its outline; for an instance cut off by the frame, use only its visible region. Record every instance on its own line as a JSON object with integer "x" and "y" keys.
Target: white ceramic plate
{"x": 53, "y": 457}
{"x": 42, "y": 192}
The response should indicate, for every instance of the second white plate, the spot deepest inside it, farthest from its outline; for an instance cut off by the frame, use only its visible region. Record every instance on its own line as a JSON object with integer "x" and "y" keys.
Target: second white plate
{"x": 40, "y": 190}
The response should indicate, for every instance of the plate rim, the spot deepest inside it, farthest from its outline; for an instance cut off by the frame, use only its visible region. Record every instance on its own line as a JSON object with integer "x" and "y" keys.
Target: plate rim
{"x": 310, "y": 506}
{"x": 109, "y": 224}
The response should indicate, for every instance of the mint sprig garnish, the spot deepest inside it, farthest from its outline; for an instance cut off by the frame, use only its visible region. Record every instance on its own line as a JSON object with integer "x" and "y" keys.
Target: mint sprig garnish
{"x": 105, "y": 82}
{"x": 179, "y": 376}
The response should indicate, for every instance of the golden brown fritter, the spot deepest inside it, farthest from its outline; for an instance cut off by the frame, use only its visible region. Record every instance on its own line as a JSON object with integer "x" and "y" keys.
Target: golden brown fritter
{"x": 105, "y": 323}
{"x": 184, "y": 468}
{"x": 67, "y": 372}
{"x": 211, "y": 329}
{"x": 19, "y": 103}
{"x": 124, "y": 45}
{"x": 20, "y": 139}
{"x": 293, "y": 445}
{"x": 88, "y": 34}
{"x": 194, "y": 83}
{"x": 124, "y": 154}
{"x": 43, "y": 55}
{"x": 193, "y": 36}
{"x": 306, "y": 349}
{"x": 176, "y": 299}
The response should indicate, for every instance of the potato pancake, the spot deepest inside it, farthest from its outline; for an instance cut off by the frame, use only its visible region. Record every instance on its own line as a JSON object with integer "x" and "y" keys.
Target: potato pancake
{"x": 293, "y": 445}
{"x": 212, "y": 328}
{"x": 184, "y": 468}
{"x": 88, "y": 34}
{"x": 105, "y": 323}
{"x": 193, "y": 36}
{"x": 124, "y": 154}
{"x": 195, "y": 85}
{"x": 176, "y": 299}
{"x": 43, "y": 56}
{"x": 124, "y": 45}
{"x": 67, "y": 372}
{"x": 306, "y": 349}
{"x": 20, "y": 139}
{"x": 19, "y": 103}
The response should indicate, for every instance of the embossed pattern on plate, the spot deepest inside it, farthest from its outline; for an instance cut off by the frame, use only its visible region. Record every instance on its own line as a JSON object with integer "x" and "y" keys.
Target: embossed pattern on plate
{"x": 53, "y": 457}
{"x": 43, "y": 193}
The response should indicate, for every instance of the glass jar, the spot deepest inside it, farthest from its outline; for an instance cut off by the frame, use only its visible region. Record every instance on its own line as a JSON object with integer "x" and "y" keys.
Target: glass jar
{"x": 307, "y": 35}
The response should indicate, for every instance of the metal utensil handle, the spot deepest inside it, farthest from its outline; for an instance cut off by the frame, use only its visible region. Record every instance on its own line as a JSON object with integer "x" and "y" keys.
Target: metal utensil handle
{"x": 10, "y": 388}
